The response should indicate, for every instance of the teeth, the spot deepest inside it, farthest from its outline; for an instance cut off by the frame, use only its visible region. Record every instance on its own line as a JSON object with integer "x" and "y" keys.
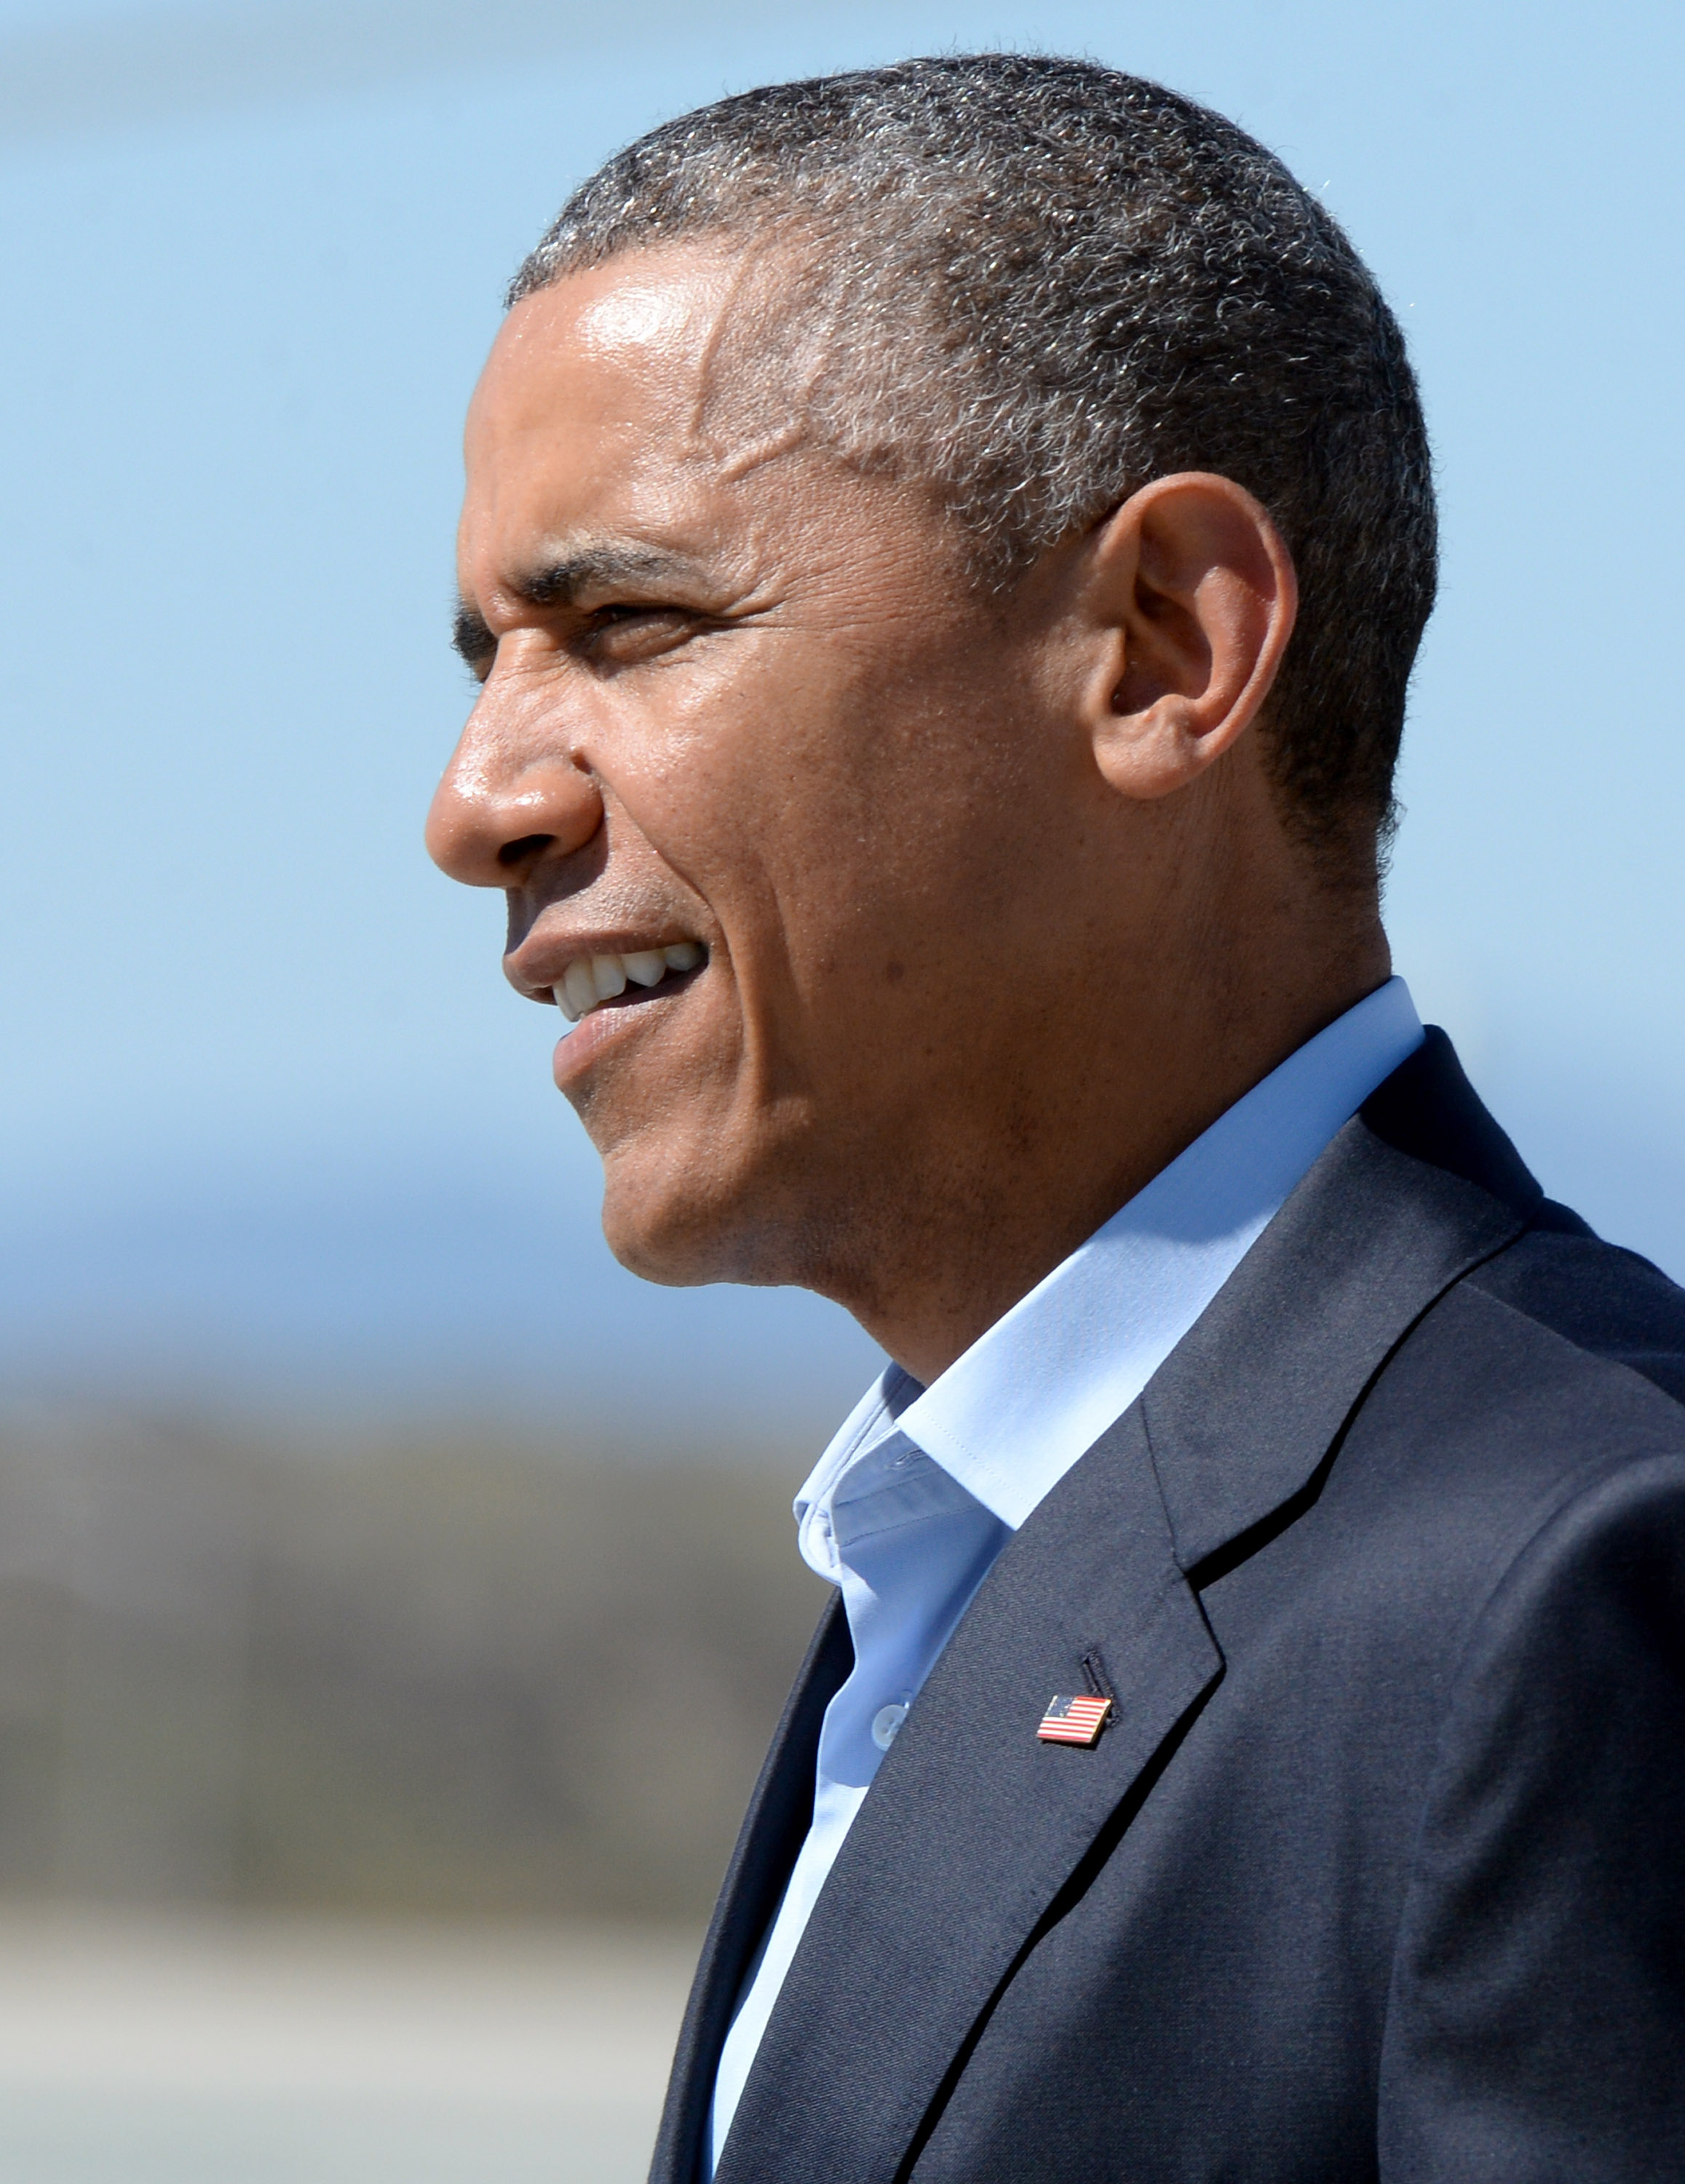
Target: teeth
{"x": 608, "y": 975}
{"x": 591, "y": 980}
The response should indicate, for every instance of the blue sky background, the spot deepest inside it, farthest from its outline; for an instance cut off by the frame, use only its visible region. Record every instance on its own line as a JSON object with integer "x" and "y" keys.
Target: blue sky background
{"x": 276, "y": 1136}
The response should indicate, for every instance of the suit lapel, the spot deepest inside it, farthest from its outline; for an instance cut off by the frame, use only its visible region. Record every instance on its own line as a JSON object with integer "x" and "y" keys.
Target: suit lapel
{"x": 905, "y": 1948}
{"x": 976, "y": 1833}
{"x": 777, "y": 1819}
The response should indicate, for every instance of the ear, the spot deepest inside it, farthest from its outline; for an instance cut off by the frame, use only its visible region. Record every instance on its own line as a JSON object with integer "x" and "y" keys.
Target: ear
{"x": 1189, "y": 597}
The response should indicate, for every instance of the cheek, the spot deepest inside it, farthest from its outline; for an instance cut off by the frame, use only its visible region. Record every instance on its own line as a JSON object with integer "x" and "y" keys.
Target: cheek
{"x": 765, "y": 797}
{"x": 842, "y": 819}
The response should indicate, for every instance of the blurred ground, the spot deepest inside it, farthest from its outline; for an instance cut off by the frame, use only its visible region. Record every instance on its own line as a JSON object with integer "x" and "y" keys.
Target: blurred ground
{"x": 359, "y": 1807}
{"x": 438, "y": 1679}
{"x": 184, "y": 2048}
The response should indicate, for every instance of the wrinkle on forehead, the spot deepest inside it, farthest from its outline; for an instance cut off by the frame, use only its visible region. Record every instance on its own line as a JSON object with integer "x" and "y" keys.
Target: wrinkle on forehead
{"x": 726, "y": 325}
{"x": 760, "y": 361}
{"x": 721, "y": 332}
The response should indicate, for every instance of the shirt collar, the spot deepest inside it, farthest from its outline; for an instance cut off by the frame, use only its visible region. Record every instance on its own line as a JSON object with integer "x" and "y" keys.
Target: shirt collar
{"x": 860, "y": 1445}
{"x": 1008, "y": 1419}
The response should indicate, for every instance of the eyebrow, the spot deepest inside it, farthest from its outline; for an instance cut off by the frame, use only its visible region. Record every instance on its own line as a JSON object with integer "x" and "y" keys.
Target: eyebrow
{"x": 559, "y": 581}
{"x": 470, "y": 634}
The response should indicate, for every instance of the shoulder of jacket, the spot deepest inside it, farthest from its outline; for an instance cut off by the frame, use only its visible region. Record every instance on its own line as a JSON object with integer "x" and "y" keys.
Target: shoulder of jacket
{"x": 1613, "y": 1308}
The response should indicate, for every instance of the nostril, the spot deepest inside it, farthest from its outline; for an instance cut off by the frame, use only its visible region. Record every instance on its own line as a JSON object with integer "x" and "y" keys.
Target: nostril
{"x": 515, "y": 854}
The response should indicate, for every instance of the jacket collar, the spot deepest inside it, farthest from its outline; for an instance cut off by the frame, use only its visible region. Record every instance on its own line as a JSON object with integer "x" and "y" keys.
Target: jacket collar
{"x": 976, "y": 1836}
{"x": 1417, "y": 1190}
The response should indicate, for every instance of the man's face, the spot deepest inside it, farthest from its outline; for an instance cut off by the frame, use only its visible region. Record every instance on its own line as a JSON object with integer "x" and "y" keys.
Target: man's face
{"x": 741, "y": 700}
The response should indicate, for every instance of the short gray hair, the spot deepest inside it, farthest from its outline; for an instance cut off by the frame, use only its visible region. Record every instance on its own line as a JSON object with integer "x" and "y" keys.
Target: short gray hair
{"x": 1043, "y": 284}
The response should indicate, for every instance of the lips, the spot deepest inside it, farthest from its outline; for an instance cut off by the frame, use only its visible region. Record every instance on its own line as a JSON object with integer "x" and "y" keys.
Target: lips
{"x": 589, "y": 981}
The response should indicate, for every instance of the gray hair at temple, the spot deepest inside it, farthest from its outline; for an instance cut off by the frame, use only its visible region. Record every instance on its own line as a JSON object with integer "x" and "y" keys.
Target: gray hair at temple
{"x": 1037, "y": 284}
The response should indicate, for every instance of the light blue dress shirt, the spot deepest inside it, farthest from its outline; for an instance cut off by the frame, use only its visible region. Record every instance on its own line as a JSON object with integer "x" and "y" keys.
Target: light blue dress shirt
{"x": 921, "y": 1489}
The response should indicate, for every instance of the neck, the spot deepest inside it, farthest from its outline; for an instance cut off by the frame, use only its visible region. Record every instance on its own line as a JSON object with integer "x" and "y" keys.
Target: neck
{"x": 1007, "y": 1202}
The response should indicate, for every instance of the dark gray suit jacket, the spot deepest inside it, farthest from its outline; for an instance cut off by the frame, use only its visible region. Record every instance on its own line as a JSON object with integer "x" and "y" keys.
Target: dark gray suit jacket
{"x": 1380, "y": 1872}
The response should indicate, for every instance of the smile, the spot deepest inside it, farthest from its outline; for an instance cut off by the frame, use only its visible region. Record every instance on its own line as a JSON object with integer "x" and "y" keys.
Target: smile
{"x": 589, "y": 981}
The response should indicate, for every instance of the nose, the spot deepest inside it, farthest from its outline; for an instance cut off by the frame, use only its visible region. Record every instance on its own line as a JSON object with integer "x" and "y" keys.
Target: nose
{"x": 508, "y": 799}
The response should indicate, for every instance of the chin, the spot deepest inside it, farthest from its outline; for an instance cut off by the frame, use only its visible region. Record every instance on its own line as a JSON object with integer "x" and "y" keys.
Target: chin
{"x": 688, "y": 1221}
{"x": 679, "y": 1236}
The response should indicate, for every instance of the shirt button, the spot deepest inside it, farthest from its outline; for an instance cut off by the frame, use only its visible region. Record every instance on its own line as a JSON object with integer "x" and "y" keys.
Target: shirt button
{"x": 885, "y": 1723}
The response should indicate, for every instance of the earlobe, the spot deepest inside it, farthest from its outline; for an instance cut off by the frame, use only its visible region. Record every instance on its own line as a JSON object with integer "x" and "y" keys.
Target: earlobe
{"x": 1192, "y": 601}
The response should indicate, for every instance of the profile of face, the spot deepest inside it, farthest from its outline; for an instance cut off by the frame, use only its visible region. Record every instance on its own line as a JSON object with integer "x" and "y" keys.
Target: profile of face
{"x": 848, "y": 868}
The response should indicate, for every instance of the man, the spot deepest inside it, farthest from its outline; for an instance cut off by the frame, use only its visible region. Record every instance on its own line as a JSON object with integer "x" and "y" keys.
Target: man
{"x": 945, "y": 549}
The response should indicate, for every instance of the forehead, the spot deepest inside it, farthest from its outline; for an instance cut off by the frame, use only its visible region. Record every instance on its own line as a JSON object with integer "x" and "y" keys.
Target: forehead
{"x": 616, "y": 382}
{"x": 626, "y": 341}
{"x": 661, "y": 401}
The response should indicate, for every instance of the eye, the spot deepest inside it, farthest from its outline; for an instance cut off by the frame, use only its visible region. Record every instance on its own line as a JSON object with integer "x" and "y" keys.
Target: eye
{"x": 632, "y": 630}
{"x": 617, "y": 616}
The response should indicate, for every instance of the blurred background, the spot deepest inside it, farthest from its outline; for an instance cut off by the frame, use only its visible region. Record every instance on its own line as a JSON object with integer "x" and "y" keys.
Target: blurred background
{"x": 395, "y": 1597}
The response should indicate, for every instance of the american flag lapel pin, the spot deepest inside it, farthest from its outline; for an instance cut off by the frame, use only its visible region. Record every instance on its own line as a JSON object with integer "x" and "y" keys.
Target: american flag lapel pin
{"x": 1074, "y": 1721}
